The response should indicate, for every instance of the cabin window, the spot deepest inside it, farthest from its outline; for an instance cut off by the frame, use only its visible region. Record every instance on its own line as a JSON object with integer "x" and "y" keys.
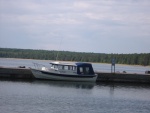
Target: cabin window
{"x": 87, "y": 70}
{"x": 84, "y": 70}
{"x": 60, "y": 67}
{"x": 74, "y": 68}
{"x": 66, "y": 67}
{"x": 70, "y": 67}
{"x": 52, "y": 66}
{"x": 81, "y": 70}
{"x": 56, "y": 66}
{"x": 63, "y": 67}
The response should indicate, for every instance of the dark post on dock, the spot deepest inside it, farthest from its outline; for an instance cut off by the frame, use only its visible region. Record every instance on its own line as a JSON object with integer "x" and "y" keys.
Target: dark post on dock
{"x": 113, "y": 65}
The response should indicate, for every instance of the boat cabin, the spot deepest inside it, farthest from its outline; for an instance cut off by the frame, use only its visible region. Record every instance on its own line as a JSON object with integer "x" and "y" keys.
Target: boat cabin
{"x": 75, "y": 68}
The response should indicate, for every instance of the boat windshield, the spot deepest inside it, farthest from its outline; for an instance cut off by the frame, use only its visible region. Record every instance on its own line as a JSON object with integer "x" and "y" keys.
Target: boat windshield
{"x": 54, "y": 66}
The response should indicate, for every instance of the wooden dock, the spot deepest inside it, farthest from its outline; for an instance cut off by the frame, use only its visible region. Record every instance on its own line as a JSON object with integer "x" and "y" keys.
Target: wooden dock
{"x": 25, "y": 73}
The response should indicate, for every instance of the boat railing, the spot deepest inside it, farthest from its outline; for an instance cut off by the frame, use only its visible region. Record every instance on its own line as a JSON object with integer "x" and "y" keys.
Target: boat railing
{"x": 39, "y": 66}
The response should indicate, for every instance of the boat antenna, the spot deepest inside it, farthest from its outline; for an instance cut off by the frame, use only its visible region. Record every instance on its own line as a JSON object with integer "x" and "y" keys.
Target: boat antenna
{"x": 59, "y": 49}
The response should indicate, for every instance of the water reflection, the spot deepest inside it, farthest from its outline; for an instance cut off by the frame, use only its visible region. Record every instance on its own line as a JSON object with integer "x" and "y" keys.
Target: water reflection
{"x": 83, "y": 85}
{"x": 114, "y": 85}
{"x": 77, "y": 85}
{"x": 127, "y": 91}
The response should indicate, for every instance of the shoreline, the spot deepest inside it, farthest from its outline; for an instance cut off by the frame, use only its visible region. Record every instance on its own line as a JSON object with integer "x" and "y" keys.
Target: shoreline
{"x": 76, "y": 61}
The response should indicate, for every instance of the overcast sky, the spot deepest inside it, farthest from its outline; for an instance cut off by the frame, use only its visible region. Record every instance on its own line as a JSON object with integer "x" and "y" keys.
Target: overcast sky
{"x": 99, "y": 26}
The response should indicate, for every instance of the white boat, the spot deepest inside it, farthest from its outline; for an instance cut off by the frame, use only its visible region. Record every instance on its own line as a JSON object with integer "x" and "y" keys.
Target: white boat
{"x": 65, "y": 71}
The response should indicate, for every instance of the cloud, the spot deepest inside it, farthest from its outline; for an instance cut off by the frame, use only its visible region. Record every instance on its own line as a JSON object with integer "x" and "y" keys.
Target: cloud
{"x": 77, "y": 21}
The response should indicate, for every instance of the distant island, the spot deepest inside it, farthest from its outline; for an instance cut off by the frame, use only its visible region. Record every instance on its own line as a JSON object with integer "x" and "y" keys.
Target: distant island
{"x": 130, "y": 59}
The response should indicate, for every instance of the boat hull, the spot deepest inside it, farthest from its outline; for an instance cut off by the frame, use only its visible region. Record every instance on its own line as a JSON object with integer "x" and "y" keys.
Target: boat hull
{"x": 40, "y": 74}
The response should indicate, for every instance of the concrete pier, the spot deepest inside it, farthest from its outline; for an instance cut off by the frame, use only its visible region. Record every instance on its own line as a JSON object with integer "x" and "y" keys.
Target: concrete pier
{"x": 25, "y": 73}
{"x": 123, "y": 77}
{"x": 15, "y": 73}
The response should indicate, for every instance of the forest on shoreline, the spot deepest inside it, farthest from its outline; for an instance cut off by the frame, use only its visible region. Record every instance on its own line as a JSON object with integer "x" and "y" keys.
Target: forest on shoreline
{"x": 130, "y": 59}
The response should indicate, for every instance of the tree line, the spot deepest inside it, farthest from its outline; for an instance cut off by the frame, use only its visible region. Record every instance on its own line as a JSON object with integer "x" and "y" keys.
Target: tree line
{"x": 131, "y": 59}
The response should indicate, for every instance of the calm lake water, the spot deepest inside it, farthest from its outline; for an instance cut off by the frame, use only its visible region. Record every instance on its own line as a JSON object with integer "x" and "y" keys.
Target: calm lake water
{"x": 73, "y": 97}
{"x": 40, "y": 96}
